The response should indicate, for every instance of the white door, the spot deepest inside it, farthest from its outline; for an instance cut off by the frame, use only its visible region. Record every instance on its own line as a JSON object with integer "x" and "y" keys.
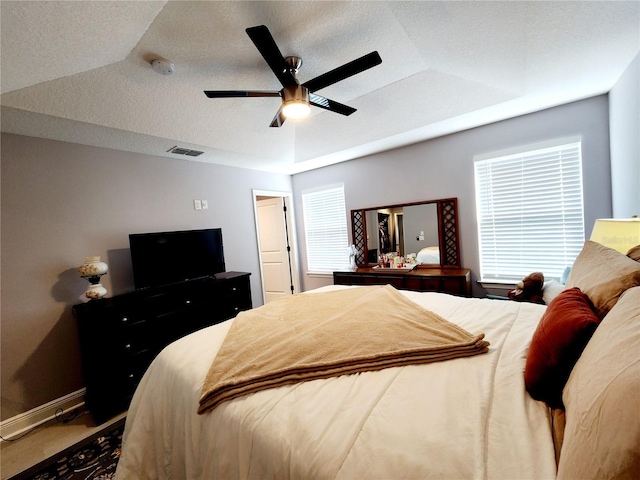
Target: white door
{"x": 276, "y": 267}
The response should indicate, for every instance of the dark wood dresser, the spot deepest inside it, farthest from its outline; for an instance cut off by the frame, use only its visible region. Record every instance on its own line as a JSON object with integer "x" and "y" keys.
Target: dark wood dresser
{"x": 456, "y": 281}
{"x": 121, "y": 335}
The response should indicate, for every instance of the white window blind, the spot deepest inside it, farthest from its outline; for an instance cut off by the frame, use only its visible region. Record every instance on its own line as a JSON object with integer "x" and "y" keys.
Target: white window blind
{"x": 530, "y": 212}
{"x": 325, "y": 225}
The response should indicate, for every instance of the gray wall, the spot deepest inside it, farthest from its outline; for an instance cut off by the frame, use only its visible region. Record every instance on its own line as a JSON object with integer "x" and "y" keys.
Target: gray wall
{"x": 62, "y": 202}
{"x": 420, "y": 218}
{"x": 443, "y": 167}
{"x": 624, "y": 112}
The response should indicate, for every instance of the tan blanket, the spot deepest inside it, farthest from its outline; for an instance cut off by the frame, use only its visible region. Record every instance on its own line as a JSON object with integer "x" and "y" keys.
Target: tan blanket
{"x": 320, "y": 335}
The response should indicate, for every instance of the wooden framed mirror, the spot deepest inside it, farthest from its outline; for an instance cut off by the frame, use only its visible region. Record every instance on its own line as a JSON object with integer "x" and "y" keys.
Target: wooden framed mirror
{"x": 429, "y": 229}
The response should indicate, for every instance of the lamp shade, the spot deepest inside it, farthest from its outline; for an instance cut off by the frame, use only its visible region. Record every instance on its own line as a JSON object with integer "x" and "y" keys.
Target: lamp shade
{"x": 617, "y": 233}
{"x": 92, "y": 267}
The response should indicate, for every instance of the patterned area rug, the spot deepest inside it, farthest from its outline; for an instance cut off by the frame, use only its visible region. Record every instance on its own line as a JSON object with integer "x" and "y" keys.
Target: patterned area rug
{"x": 95, "y": 460}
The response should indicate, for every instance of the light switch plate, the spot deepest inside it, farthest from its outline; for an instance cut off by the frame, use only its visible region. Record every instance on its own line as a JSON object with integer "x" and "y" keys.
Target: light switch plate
{"x": 205, "y": 204}
{"x": 197, "y": 204}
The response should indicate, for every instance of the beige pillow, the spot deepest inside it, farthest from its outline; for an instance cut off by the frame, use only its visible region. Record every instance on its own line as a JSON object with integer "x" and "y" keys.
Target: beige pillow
{"x": 602, "y": 400}
{"x": 603, "y": 273}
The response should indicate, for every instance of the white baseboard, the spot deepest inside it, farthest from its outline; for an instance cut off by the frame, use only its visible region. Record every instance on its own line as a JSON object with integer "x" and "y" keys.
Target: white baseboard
{"x": 24, "y": 422}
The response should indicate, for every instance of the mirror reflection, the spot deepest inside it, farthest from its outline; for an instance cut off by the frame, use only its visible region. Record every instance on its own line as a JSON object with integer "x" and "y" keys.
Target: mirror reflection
{"x": 428, "y": 230}
{"x": 411, "y": 229}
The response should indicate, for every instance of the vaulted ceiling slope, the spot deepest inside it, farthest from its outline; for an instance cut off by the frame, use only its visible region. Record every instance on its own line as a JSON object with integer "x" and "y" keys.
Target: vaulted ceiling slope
{"x": 80, "y": 71}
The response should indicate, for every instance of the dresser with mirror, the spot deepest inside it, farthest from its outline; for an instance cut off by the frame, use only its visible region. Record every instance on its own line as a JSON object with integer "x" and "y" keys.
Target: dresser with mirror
{"x": 426, "y": 231}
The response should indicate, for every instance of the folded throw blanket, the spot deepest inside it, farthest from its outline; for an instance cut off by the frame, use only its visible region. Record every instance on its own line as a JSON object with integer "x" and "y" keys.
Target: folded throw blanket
{"x": 319, "y": 335}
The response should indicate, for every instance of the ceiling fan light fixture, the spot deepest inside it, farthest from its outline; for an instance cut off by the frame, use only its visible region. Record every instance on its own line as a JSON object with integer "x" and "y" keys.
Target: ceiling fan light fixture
{"x": 295, "y": 101}
{"x": 296, "y": 110}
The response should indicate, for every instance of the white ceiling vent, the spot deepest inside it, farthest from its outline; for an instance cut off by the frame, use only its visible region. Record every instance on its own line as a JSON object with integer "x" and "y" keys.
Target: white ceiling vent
{"x": 184, "y": 151}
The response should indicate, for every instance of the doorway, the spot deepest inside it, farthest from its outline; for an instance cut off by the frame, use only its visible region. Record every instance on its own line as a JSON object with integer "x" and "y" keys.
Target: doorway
{"x": 276, "y": 244}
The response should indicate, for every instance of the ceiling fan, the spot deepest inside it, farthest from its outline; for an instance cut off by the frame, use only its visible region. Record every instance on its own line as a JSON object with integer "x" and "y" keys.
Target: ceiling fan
{"x": 296, "y": 97}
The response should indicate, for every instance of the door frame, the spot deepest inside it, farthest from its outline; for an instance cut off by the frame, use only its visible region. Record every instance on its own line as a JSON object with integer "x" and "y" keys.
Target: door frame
{"x": 293, "y": 244}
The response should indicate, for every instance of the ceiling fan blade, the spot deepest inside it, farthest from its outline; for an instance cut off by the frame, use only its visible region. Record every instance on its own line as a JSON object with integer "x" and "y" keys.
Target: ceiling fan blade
{"x": 348, "y": 69}
{"x": 266, "y": 45}
{"x": 331, "y": 105}
{"x": 240, "y": 93}
{"x": 279, "y": 119}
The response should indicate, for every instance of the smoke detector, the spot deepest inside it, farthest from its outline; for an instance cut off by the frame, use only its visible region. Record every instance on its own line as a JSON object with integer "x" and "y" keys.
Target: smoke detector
{"x": 162, "y": 66}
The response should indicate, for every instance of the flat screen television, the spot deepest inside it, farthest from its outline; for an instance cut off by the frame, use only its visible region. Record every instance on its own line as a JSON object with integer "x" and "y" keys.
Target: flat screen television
{"x": 170, "y": 257}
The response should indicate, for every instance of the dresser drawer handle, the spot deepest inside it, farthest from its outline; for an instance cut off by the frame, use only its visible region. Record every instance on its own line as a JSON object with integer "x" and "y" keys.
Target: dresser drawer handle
{"x": 125, "y": 319}
{"x": 236, "y": 309}
{"x": 188, "y": 302}
{"x": 131, "y": 375}
{"x": 233, "y": 289}
{"x": 127, "y": 346}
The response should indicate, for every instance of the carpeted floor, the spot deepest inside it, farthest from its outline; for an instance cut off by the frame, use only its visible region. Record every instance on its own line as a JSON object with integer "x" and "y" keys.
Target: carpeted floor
{"x": 93, "y": 459}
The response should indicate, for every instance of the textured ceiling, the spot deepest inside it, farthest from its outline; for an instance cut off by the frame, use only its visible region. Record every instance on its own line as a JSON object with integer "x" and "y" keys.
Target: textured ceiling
{"x": 80, "y": 71}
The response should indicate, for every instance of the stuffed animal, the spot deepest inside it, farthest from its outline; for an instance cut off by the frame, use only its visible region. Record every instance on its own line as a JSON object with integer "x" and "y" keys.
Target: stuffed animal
{"x": 529, "y": 289}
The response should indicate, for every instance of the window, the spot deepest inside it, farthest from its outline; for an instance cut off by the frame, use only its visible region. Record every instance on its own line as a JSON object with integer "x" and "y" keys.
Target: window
{"x": 325, "y": 226}
{"x": 530, "y": 215}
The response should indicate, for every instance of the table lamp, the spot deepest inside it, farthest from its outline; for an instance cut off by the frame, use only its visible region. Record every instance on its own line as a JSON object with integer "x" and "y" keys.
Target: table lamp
{"x": 92, "y": 269}
{"x": 621, "y": 234}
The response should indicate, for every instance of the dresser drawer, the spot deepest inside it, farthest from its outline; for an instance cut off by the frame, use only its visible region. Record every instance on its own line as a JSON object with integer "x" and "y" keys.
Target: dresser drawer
{"x": 231, "y": 310}
{"x": 455, "y": 286}
{"x": 430, "y": 285}
{"x": 181, "y": 299}
{"x": 116, "y": 319}
{"x": 135, "y": 338}
{"x": 134, "y": 369}
{"x": 234, "y": 292}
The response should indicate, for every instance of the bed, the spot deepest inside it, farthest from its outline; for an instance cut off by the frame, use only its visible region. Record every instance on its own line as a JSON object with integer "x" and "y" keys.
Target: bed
{"x": 429, "y": 255}
{"x": 468, "y": 417}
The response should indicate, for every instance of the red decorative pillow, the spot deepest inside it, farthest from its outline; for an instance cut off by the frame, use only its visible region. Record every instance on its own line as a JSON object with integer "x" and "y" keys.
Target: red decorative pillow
{"x": 563, "y": 332}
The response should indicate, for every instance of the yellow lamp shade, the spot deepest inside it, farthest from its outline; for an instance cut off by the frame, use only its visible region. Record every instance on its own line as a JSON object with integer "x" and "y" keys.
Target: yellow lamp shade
{"x": 617, "y": 233}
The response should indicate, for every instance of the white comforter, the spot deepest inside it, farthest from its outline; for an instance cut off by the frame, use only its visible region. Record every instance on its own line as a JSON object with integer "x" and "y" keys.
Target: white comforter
{"x": 464, "y": 418}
